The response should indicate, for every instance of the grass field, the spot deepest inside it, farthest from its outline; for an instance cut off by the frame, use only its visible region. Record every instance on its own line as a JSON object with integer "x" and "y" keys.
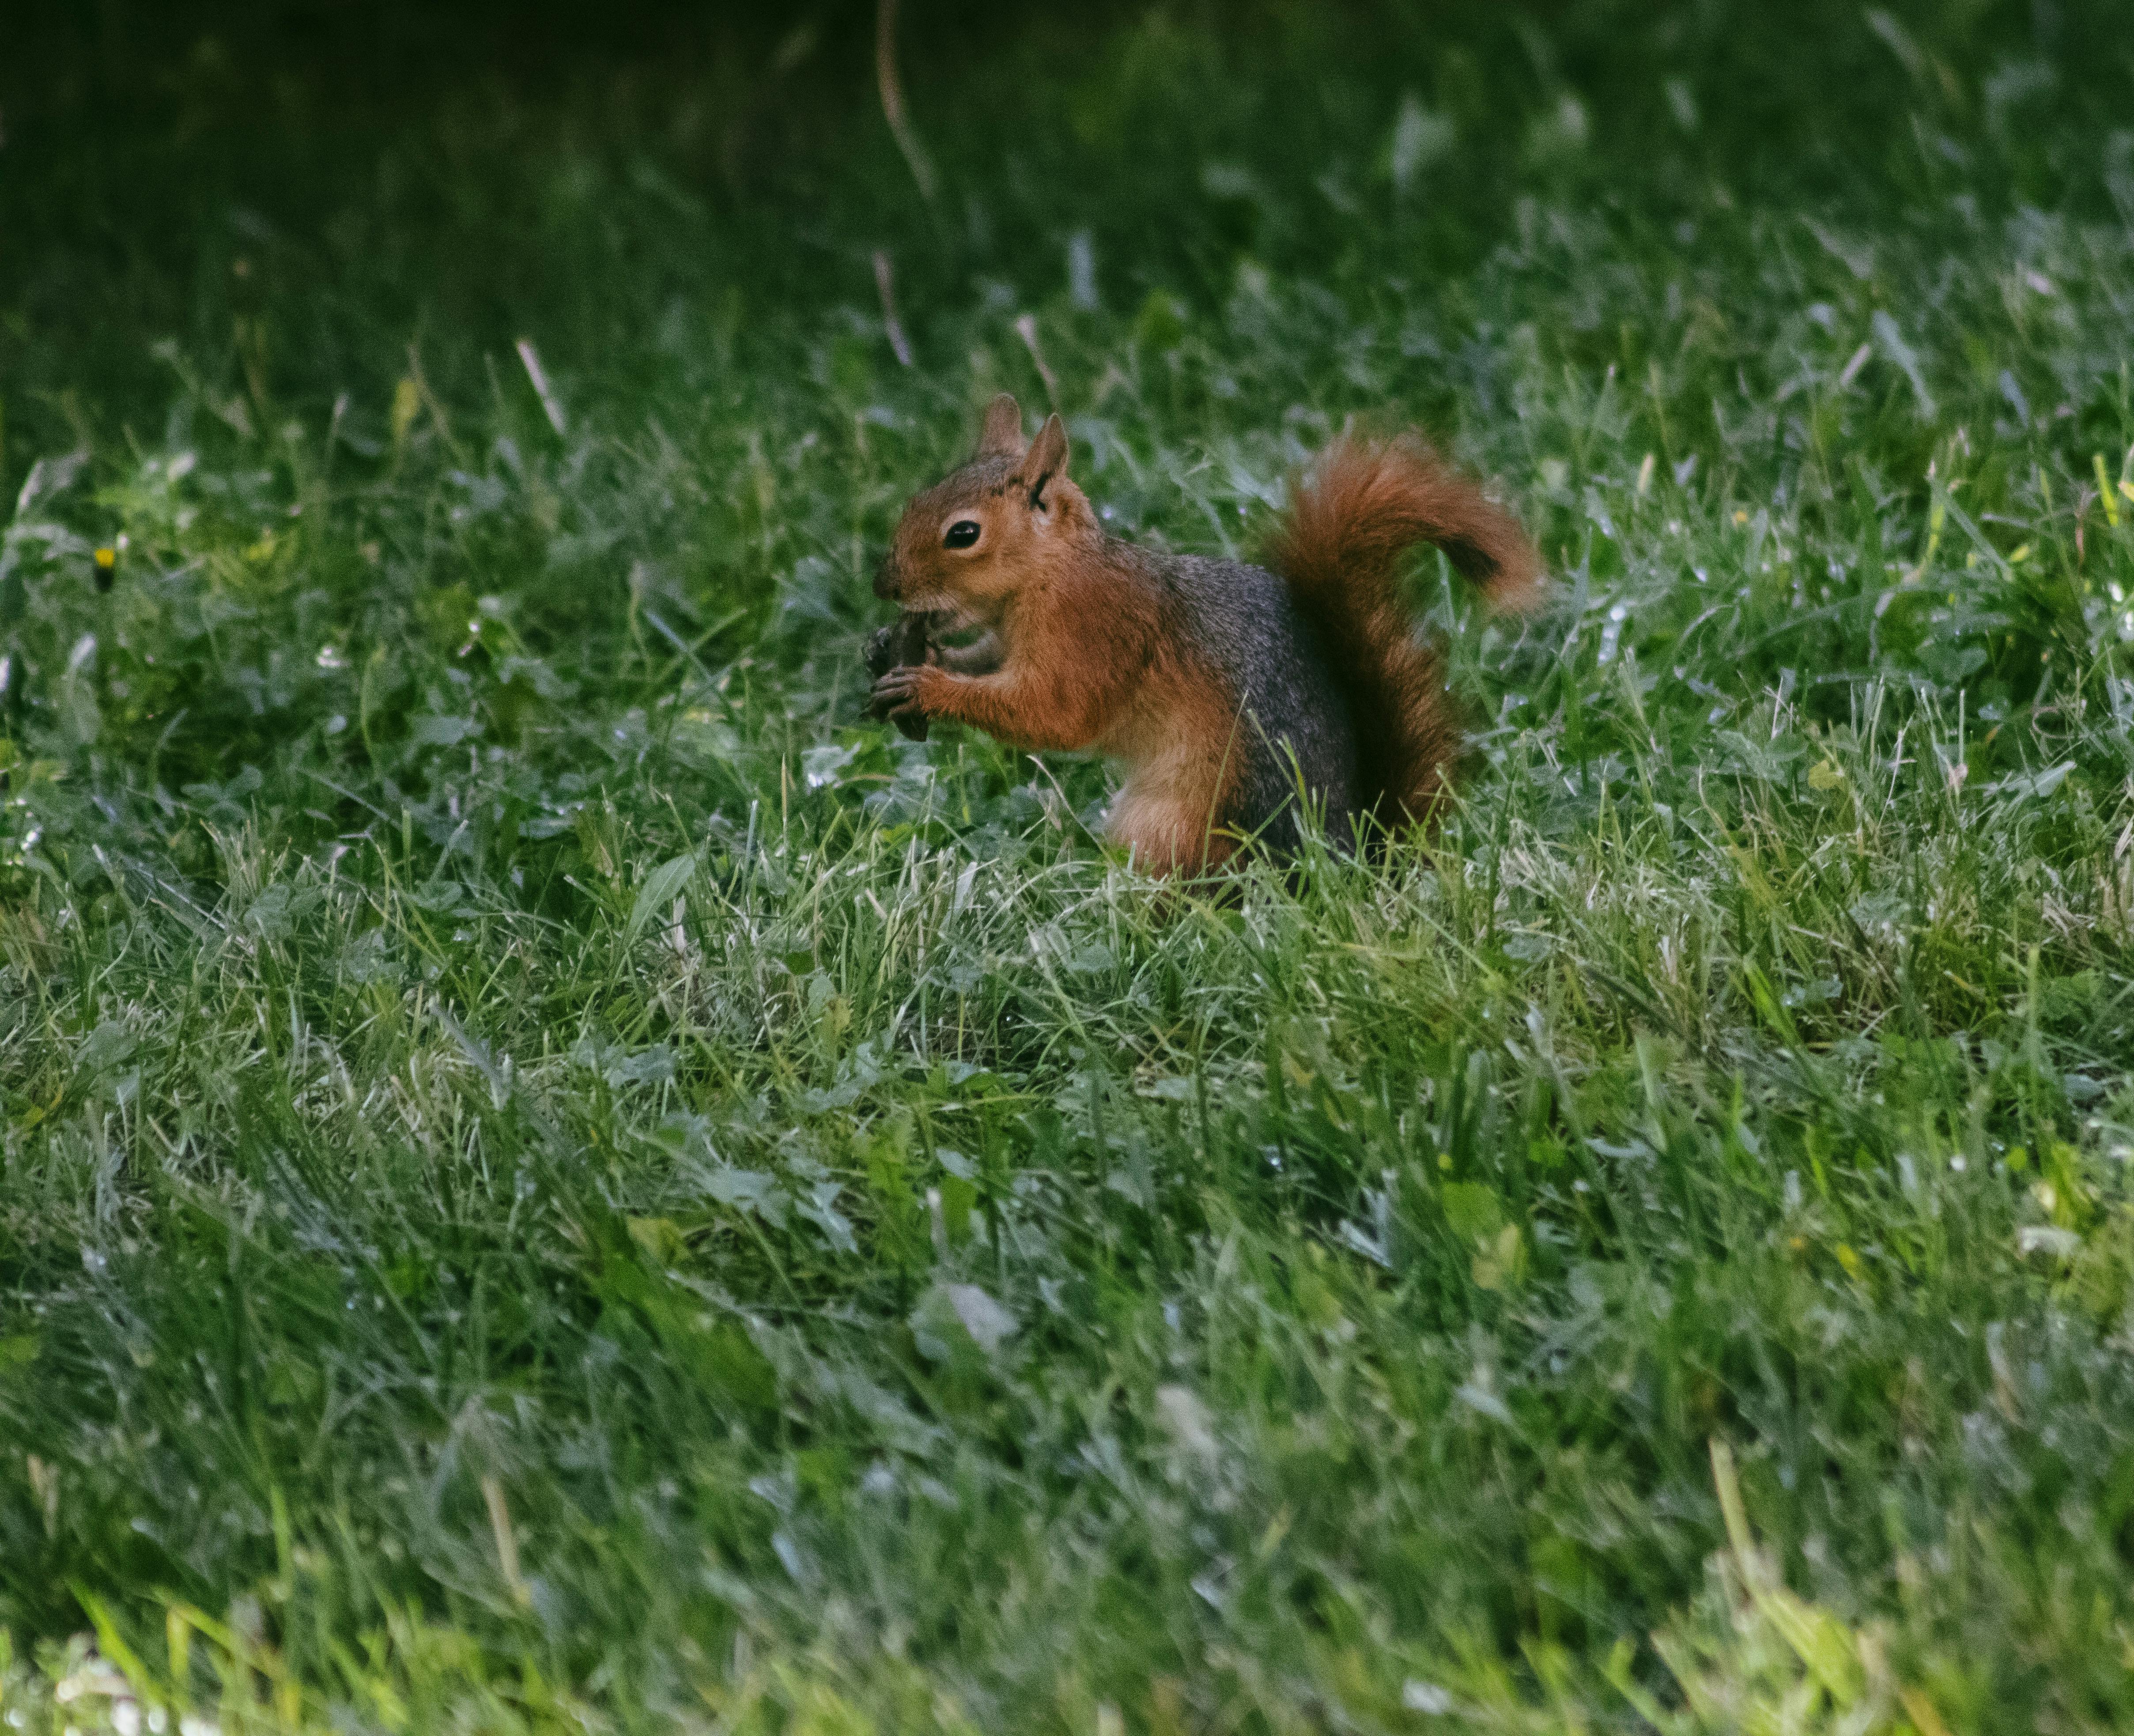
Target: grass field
{"x": 556, "y": 1178}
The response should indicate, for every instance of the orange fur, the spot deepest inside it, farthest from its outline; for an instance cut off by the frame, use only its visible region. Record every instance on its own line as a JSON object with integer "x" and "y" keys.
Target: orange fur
{"x": 1362, "y": 507}
{"x": 1178, "y": 745}
{"x": 1092, "y": 662}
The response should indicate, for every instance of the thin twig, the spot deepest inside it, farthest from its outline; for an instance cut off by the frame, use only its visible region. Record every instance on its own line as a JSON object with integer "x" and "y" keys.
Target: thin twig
{"x": 541, "y": 388}
{"x": 892, "y": 98}
{"x": 507, "y": 1539}
{"x": 1025, "y": 328}
{"x": 897, "y": 341}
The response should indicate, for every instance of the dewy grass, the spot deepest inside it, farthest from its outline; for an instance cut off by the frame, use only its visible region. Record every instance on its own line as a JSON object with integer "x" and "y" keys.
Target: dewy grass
{"x": 555, "y": 1179}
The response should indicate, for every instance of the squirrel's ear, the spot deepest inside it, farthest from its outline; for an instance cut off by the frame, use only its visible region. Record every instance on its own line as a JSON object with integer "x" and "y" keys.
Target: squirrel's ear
{"x": 1046, "y": 459}
{"x": 1001, "y": 437}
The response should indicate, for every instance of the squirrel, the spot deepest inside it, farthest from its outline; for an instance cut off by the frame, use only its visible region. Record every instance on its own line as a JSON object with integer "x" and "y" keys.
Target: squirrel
{"x": 1226, "y": 690}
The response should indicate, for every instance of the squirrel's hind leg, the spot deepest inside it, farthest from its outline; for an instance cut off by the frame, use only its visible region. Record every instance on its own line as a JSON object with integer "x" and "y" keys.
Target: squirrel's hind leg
{"x": 1169, "y": 832}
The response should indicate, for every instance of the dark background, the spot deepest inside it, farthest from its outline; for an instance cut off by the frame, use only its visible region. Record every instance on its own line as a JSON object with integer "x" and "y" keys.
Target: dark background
{"x": 381, "y": 167}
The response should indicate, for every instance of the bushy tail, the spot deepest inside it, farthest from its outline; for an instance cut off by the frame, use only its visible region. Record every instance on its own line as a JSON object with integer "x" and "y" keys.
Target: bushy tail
{"x": 1351, "y": 517}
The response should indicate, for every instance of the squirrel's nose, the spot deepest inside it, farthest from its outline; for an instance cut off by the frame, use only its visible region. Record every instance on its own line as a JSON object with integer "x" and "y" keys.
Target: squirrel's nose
{"x": 885, "y": 582}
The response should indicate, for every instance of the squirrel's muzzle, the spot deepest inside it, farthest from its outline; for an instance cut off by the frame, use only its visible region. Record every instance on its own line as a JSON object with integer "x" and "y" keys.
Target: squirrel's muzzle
{"x": 888, "y": 582}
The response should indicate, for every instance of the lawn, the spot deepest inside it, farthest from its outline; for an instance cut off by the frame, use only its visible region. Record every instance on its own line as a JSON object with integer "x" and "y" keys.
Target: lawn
{"x": 556, "y": 1178}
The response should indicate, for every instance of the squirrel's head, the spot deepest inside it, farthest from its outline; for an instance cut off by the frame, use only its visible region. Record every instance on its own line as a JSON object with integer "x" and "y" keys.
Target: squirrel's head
{"x": 983, "y": 533}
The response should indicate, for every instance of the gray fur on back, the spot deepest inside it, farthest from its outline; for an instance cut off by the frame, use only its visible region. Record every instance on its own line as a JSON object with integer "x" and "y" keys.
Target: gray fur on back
{"x": 1295, "y": 717}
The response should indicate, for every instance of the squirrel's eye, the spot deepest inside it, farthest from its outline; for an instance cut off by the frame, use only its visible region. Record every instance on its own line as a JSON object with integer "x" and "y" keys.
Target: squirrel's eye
{"x": 962, "y": 534}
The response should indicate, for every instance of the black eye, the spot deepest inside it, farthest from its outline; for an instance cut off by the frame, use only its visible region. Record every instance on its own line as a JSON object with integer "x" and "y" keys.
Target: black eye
{"x": 962, "y": 534}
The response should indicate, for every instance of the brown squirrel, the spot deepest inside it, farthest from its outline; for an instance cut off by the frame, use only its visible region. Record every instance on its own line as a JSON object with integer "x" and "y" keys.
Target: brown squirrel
{"x": 1226, "y": 691}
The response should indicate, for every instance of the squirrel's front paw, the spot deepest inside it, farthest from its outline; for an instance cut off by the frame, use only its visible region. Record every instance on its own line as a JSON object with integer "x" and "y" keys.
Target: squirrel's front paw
{"x": 903, "y": 692}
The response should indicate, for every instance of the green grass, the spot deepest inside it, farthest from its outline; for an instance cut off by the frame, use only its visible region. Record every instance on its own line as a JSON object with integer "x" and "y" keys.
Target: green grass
{"x": 556, "y": 1178}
